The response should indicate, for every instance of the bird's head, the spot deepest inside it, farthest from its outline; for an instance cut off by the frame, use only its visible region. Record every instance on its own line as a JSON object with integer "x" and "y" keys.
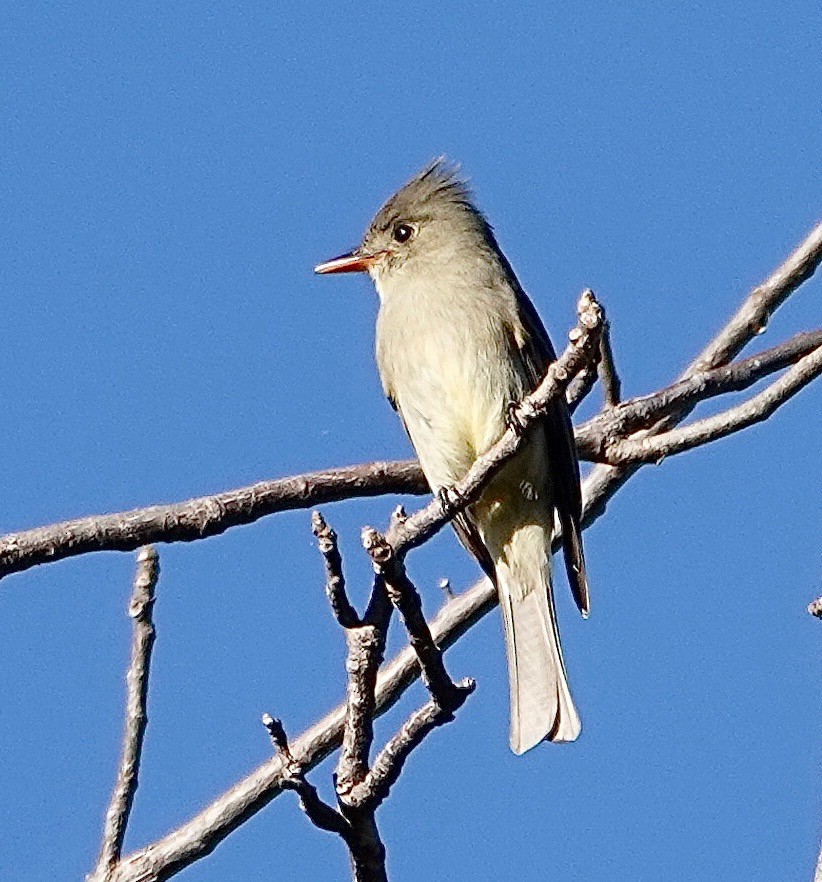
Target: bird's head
{"x": 430, "y": 225}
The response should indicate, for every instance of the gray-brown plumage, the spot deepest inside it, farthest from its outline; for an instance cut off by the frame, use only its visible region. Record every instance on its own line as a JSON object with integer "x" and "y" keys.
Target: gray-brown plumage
{"x": 458, "y": 341}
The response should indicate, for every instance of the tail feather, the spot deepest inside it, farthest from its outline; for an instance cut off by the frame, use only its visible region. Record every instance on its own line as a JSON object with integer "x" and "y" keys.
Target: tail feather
{"x": 541, "y": 703}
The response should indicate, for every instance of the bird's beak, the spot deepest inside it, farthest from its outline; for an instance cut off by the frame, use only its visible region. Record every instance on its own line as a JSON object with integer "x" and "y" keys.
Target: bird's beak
{"x": 353, "y": 262}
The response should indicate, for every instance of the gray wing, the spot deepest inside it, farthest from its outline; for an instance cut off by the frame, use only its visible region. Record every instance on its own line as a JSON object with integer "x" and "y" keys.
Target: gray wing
{"x": 468, "y": 534}
{"x": 537, "y": 354}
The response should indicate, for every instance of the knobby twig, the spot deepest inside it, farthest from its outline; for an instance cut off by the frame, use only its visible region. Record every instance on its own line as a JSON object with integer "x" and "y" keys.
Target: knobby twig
{"x": 406, "y": 599}
{"x": 391, "y": 759}
{"x": 580, "y": 387}
{"x": 320, "y": 813}
{"x": 360, "y": 833}
{"x": 752, "y": 317}
{"x": 617, "y": 423}
{"x": 360, "y": 790}
{"x": 366, "y": 644}
{"x": 140, "y": 610}
{"x": 344, "y": 612}
{"x": 354, "y": 822}
{"x": 200, "y": 835}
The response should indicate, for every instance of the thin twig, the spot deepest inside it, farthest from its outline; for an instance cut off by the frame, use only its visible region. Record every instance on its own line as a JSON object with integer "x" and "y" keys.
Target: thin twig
{"x": 344, "y": 612}
{"x": 319, "y": 812}
{"x": 747, "y": 322}
{"x": 611, "y": 385}
{"x": 354, "y": 822}
{"x": 356, "y": 827}
{"x": 405, "y": 597}
{"x": 202, "y": 833}
{"x": 753, "y": 315}
{"x": 136, "y": 717}
{"x": 580, "y": 387}
{"x": 390, "y": 761}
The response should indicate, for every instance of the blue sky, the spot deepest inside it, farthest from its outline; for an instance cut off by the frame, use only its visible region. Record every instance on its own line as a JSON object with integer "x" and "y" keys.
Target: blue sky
{"x": 168, "y": 180}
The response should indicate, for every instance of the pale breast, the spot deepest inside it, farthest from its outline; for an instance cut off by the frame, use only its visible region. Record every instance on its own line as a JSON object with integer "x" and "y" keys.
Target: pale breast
{"x": 446, "y": 360}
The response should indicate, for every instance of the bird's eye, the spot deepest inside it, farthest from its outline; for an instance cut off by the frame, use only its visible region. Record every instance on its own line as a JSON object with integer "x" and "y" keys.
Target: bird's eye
{"x": 403, "y": 232}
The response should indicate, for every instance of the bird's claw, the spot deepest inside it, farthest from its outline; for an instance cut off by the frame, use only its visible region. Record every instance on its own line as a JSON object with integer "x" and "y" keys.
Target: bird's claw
{"x": 514, "y": 417}
{"x": 450, "y": 501}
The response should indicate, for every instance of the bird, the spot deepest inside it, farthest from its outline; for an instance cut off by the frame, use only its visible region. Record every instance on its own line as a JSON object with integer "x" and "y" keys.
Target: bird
{"x": 458, "y": 343}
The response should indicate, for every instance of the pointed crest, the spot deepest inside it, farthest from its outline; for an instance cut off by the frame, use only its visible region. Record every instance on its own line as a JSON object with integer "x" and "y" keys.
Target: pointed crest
{"x": 438, "y": 184}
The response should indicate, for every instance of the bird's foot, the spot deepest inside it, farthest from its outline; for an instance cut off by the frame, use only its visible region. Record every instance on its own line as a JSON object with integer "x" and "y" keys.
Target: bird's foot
{"x": 450, "y": 501}
{"x": 515, "y": 417}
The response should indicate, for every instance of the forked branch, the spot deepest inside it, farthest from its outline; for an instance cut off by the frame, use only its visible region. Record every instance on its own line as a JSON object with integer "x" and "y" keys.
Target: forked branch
{"x": 210, "y": 515}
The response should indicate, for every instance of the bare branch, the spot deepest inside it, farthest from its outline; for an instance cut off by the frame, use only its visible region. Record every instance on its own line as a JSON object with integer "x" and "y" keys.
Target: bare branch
{"x": 359, "y": 790}
{"x": 366, "y": 645}
{"x": 366, "y": 848}
{"x": 749, "y": 320}
{"x": 654, "y": 447}
{"x": 200, "y": 835}
{"x": 355, "y": 821}
{"x": 136, "y": 718}
{"x": 206, "y": 515}
{"x": 580, "y": 387}
{"x": 211, "y": 515}
{"x": 357, "y": 828}
{"x": 610, "y": 426}
{"x": 344, "y": 612}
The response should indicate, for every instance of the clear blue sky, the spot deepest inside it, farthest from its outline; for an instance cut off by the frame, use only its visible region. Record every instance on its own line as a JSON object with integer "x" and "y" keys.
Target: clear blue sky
{"x": 168, "y": 182}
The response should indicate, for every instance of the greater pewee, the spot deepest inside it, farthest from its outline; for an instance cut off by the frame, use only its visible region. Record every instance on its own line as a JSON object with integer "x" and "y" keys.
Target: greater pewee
{"x": 458, "y": 341}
